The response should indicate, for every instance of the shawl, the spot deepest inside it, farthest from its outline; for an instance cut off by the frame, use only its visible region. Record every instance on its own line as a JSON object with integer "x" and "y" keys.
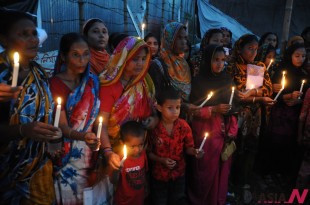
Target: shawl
{"x": 22, "y": 160}
{"x": 137, "y": 99}
{"x": 177, "y": 66}
{"x": 98, "y": 61}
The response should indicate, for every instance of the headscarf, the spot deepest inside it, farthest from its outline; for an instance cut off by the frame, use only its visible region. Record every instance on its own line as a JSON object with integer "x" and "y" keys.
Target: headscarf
{"x": 219, "y": 83}
{"x": 98, "y": 59}
{"x": 137, "y": 99}
{"x": 177, "y": 66}
{"x": 230, "y": 34}
{"x": 263, "y": 51}
{"x": 294, "y": 40}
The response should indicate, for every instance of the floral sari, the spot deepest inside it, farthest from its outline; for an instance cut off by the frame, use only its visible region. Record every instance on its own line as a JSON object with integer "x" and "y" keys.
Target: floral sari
{"x": 26, "y": 171}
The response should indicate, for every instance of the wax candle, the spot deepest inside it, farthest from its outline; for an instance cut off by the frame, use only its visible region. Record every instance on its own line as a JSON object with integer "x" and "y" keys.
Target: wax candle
{"x": 15, "y": 69}
{"x": 99, "y": 130}
{"x": 143, "y": 26}
{"x": 301, "y": 86}
{"x": 203, "y": 141}
{"x": 269, "y": 64}
{"x": 283, "y": 79}
{"x": 58, "y": 110}
{"x": 125, "y": 155}
{"x": 283, "y": 85}
{"x": 232, "y": 95}
{"x": 206, "y": 100}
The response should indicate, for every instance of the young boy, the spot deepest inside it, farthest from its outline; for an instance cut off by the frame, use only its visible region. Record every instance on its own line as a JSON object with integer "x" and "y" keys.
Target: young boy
{"x": 132, "y": 176}
{"x": 168, "y": 141}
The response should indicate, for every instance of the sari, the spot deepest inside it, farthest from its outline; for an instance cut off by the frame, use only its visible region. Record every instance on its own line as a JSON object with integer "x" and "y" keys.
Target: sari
{"x": 137, "y": 98}
{"x": 82, "y": 107}
{"x": 26, "y": 171}
{"x": 98, "y": 61}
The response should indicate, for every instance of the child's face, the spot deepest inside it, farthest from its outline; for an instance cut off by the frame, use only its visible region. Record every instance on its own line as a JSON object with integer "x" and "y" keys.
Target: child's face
{"x": 218, "y": 61}
{"x": 135, "y": 145}
{"x": 170, "y": 110}
{"x": 270, "y": 56}
{"x": 299, "y": 57}
{"x": 216, "y": 39}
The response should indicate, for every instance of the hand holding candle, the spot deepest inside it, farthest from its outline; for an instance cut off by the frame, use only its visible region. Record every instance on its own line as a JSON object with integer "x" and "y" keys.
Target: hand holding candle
{"x": 283, "y": 85}
{"x": 99, "y": 130}
{"x": 301, "y": 86}
{"x": 58, "y": 110}
{"x": 203, "y": 141}
{"x": 269, "y": 64}
{"x": 15, "y": 69}
{"x": 206, "y": 100}
{"x": 125, "y": 156}
{"x": 232, "y": 95}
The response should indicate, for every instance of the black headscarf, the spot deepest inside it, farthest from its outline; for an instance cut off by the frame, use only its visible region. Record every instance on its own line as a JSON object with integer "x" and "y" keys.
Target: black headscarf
{"x": 219, "y": 83}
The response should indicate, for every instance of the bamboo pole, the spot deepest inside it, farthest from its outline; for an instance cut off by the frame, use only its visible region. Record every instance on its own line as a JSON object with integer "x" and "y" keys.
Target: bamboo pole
{"x": 125, "y": 17}
{"x": 173, "y": 4}
{"x": 286, "y": 23}
{"x": 162, "y": 12}
{"x": 147, "y": 15}
{"x": 81, "y": 14}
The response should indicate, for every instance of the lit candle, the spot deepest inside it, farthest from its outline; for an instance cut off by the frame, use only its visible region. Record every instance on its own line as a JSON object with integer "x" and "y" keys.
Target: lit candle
{"x": 58, "y": 110}
{"x": 269, "y": 64}
{"x": 232, "y": 95}
{"x": 206, "y": 100}
{"x": 99, "y": 130}
{"x": 283, "y": 85}
{"x": 125, "y": 155}
{"x": 143, "y": 26}
{"x": 301, "y": 86}
{"x": 15, "y": 69}
{"x": 283, "y": 79}
{"x": 203, "y": 141}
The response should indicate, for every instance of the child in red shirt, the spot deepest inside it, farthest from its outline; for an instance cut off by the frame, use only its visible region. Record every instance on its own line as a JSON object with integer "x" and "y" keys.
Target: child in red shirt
{"x": 168, "y": 142}
{"x": 131, "y": 178}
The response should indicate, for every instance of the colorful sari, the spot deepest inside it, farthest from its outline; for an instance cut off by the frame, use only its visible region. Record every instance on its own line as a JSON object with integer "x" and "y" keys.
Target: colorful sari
{"x": 98, "y": 61}
{"x": 82, "y": 108}
{"x": 137, "y": 99}
{"x": 26, "y": 171}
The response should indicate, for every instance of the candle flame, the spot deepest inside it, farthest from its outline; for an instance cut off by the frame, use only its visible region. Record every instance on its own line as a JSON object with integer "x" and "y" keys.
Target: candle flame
{"x": 206, "y": 135}
{"x": 143, "y": 26}
{"x": 252, "y": 86}
{"x": 125, "y": 151}
{"x": 284, "y": 72}
{"x": 100, "y": 119}
{"x": 303, "y": 81}
{"x": 233, "y": 88}
{"x": 271, "y": 60}
{"x": 283, "y": 83}
{"x": 59, "y": 101}
{"x": 16, "y": 57}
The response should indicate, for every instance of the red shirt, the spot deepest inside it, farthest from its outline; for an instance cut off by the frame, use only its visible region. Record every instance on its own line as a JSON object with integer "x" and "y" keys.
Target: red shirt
{"x": 109, "y": 95}
{"x": 132, "y": 181}
{"x": 171, "y": 147}
{"x": 59, "y": 89}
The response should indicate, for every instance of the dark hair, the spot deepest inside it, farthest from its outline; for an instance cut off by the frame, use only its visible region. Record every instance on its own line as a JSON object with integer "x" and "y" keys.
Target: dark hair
{"x": 205, "y": 68}
{"x": 264, "y": 36}
{"x": 67, "y": 40}
{"x": 263, "y": 51}
{"x": 88, "y": 24}
{"x": 115, "y": 39}
{"x": 289, "y": 52}
{"x": 245, "y": 39}
{"x": 206, "y": 38}
{"x": 149, "y": 35}
{"x": 9, "y": 17}
{"x": 169, "y": 93}
{"x": 131, "y": 128}
{"x": 305, "y": 31}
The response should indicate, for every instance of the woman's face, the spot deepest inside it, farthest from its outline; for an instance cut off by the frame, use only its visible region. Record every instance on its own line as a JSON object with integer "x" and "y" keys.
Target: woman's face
{"x": 299, "y": 57}
{"x": 270, "y": 56}
{"x": 226, "y": 38}
{"x": 271, "y": 39}
{"x": 153, "y": 44}
{"x": 98, "y": 36}
{"x": 136, "y": 64}
{"x": 180, "y": 42}
{"x": 23, "y": 38}
{"x": 77, "y": 58}
{"x": 216, "y": 39}
{"x": 249, "y": 51}
{"x": 218, "y": 61}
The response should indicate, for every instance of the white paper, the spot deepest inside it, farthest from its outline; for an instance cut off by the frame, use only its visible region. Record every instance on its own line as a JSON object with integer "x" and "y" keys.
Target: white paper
{"x": 255, "y": 76}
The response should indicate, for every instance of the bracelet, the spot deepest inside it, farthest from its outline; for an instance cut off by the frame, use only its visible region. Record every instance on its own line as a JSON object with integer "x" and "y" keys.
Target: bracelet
{"x": 21, "y": 131}
{"x": 254, "y": 100}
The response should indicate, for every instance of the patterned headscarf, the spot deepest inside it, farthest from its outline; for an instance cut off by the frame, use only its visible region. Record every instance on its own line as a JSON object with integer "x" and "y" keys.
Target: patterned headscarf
{"x": 263, "y": 51}
{"x": 177, "y": 66}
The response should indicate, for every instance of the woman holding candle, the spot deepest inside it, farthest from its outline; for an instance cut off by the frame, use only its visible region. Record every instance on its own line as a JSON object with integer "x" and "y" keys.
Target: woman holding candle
{"x": 25, "y": 122}
{"x": 127, "y": 93}
{"x": 284, "y": 115}
{"x": 208, "y": 177}
{"x": 267, "y": 54}
{"x": 79, "y": 90}
{"x": 97, "y": 36}
{"x": 249, "y": 118}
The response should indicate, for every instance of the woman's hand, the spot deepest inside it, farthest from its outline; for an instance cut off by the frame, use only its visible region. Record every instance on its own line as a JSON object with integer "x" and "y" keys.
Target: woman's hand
{"x": 295, "y": 95}
{"x": 221, "y": 108}
{"x": 40, "y": 131}
{"x": 91, "y": 140}
{"x": 8, "y": 92}
{"x": 113, "y": 160}
{"x": 276, "y": 87}
{"x": 169, "y": 163}
{"x": 243, "y": 95}
{"x": 268, "y": 101}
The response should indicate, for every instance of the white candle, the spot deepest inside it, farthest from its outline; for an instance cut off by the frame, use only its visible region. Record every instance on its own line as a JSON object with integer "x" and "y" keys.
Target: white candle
{"x": 206, "y": 100}
{"x": 232, "y": 95}
{"x": 143, "y": 26}
{"x": 99, "y": 130}
{"x": 301, "y": 86}
{"x": 283, "y": 85}
{"x": 269, "y": 64}
{"x": 58, "y": 110}
{"x": 203, "y": 141}
{"x": 125, "y": 155}
{"x": 283, "y": 79}
{"x": 15, "y": 69}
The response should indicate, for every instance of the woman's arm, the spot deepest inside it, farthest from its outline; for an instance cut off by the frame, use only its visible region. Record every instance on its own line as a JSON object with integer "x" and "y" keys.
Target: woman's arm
{"x": 8, "y": 92}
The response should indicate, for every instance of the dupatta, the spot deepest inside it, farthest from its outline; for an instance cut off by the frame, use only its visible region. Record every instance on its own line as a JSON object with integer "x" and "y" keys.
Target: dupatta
{"x": 137, "y": 99}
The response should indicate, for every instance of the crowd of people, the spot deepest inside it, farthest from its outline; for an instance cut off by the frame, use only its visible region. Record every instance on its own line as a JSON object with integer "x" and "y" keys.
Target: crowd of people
{"x": 192, "y": 123}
